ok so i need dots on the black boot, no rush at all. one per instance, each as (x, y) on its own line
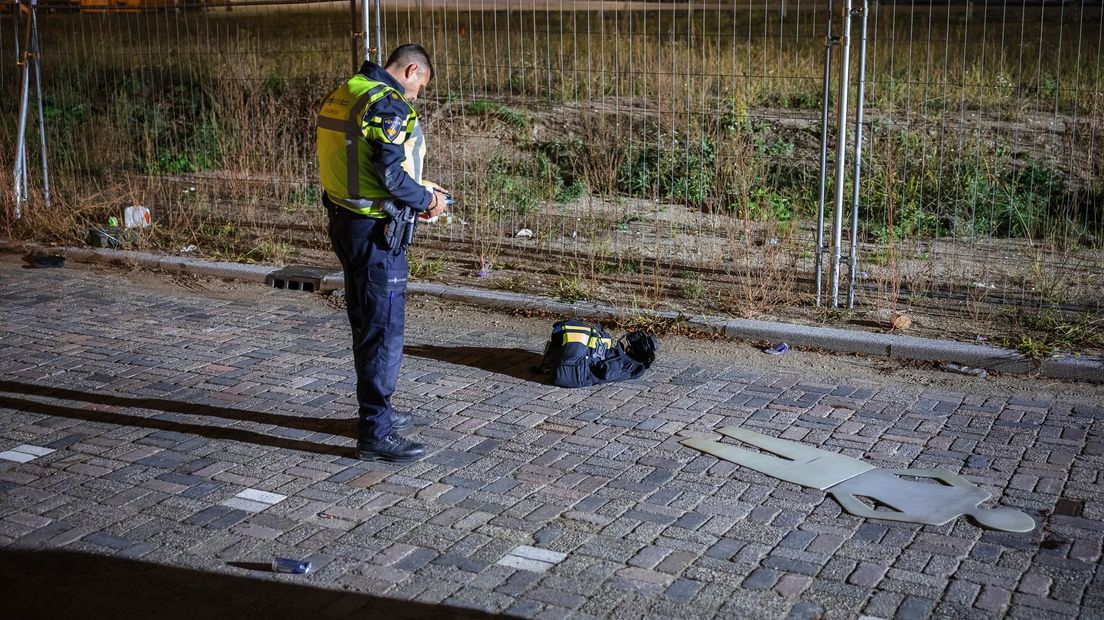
(393, 448)
(401, 421)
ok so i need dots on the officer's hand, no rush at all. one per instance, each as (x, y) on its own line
(437, 205)
(433, 187)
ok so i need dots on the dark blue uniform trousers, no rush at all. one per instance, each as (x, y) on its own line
(375, 297)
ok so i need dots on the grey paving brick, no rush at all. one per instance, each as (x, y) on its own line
(986, 552)
(872, 532)
(556, 598)
(181, 479)
(416, 559)
(165, 459)
(524, 608)
(463, 563)
(107, 540)
(962, 592)
(682, 590)
(761, 579)
(883, 604)
(798, 539)
(805, 611)
(914, 607)
(725, 548)
(993, 599)
(201, 489)
(791, 565)
(691, 520)
(226, 520)
(207, 515)
(136, 551)
(762, 514)
(1046, 604)
(518, 583)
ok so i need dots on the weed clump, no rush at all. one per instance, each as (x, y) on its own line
(670, 168)
(511, 117)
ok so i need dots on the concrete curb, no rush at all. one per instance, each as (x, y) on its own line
(991, 357)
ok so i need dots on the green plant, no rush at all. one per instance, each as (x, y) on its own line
(512, 187)
(200, 149)
(515, 283)
(269, 251)
(558, 162)
(306, 195)
(568, 193)
(572, 289)
(424, 267)
(680, 170)
(219, 231)
(1031, 347)
(779, 148)
(509, 116)
(517, 184)
(734, 117)
(1084, 332)
(693, 289)
(768, 205)
(274, 84)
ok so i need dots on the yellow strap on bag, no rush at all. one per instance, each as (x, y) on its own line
(579, 337)
(586, 336)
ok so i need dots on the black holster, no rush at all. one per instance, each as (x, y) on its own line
(399, 233)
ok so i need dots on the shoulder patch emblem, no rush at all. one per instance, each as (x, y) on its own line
(392, 125)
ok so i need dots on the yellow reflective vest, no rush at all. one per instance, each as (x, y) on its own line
(348, 139)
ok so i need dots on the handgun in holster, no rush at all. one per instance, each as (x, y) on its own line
(399, 233)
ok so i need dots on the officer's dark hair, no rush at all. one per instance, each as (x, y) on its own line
(410, 54)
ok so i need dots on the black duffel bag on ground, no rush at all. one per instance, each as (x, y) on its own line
(579, 354)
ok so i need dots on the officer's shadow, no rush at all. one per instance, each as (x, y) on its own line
(307, 436)
(518, 363)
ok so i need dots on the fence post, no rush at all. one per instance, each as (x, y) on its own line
(27, 59)
(367, 23)
(841, 151)
(829, 41)
(853, 258)
(368, 47)
(354, 34)
(379, 36)
(36, 51)
(21, 132)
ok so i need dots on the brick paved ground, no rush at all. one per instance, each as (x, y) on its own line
(168, 444)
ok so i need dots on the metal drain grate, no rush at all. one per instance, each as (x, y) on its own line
(298, 278)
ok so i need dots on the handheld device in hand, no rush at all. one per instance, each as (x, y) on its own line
(425, 218)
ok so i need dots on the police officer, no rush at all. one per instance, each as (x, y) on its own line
(370, 150)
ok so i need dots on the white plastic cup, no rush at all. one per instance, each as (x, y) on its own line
(136, 217)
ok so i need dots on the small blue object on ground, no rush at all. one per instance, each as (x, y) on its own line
(777, 349)
(287, 565)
